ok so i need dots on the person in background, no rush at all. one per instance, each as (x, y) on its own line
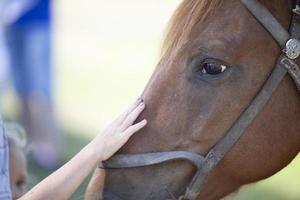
(17, 159)
(28, 34)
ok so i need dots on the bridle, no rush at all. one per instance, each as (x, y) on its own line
(286, 63)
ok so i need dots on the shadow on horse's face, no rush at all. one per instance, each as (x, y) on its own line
(210, 72)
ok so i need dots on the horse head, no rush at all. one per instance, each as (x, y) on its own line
(215, 59)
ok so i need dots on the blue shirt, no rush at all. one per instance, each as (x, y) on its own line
(40, 12)
(4, 173)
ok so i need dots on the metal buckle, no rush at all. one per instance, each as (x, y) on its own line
(288, 64)
(292, 48)
(293, 69)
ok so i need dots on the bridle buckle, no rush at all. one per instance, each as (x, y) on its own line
(292, 48)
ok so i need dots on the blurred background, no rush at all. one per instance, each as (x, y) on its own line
(102, 53)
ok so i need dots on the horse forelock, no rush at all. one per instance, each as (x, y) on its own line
(185, 18)
(189, 14)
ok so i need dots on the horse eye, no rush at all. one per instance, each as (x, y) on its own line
(213, 68)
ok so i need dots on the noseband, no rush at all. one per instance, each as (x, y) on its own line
(286, 63)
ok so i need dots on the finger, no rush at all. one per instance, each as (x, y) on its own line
(123, 116)
(135, 128)
(132, 116)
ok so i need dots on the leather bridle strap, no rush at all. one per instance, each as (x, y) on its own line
(268, 21)
(147, 159)
(289, 45)
(284, 64)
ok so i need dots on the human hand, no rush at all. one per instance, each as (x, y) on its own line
(119, 131)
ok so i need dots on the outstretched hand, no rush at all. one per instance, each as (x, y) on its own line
(110, 141)
(119, 131)
(66, 179)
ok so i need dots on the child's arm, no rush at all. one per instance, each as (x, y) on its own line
(62, 183)
(94, 189)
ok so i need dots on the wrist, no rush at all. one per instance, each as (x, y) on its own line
(96, 151)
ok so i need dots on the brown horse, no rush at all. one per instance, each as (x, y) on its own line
(192, 102)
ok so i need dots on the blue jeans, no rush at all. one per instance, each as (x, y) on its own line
(30, 52)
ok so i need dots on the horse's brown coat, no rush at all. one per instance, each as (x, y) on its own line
(191, 114)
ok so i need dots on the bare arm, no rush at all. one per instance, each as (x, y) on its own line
(62, 183)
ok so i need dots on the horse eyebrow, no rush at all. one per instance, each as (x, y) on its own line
(220, 55)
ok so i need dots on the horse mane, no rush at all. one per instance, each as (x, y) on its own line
(187, 16)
